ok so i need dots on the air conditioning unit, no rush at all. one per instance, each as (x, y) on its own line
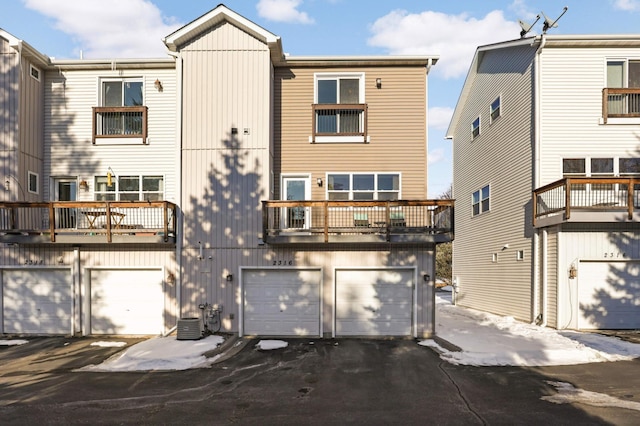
(189, 329)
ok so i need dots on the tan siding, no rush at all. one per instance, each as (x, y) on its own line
(69, 99)
(502, 152)
(31, 130)
(396, 126)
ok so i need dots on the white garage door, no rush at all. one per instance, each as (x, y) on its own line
(37, 301)
(376, 302)
(609, 295)
(126, 301)
(282, 302)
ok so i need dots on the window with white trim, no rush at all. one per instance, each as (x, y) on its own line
(480, 201)
(339, 106)
(363, 186)
(475, 128)
(34, 72)
(33, 182)
(494, 109)
(129, 188)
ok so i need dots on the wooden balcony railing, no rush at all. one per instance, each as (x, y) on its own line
(560, 201)
(401, 221)
(620, 103)
(90, 222)
(120, 122)
(345, 120)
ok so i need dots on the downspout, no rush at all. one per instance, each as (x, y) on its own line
(536, 183)
(178, 156)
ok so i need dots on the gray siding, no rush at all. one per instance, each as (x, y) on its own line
(501, 156)
(552, 278)
(9, 114)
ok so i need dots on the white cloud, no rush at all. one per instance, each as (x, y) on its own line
(628, 5)
(110, 28)
(439, 117)
(453, 37)
(435, 156)
(283, 11)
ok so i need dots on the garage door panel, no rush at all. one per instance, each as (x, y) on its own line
(127, 302)
(374, 302)
(609, 295)
(281, 302)
(37, 301)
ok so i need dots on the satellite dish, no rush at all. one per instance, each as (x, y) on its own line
(526, 27)
(547, 22)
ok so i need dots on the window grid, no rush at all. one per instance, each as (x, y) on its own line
(363, 186)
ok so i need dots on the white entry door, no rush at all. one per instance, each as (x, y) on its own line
(295, 188)
(65, 190)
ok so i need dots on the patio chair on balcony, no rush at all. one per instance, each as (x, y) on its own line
(361, 220)
(397, 219)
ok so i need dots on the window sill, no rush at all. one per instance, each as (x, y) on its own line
(340, 139)
(120, 141)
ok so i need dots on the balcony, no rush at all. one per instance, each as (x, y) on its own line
(119, 125)
(620, 103)
(357, 222)
(584, 200)
(339, 123)
(94, 222)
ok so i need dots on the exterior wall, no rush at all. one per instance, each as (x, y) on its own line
(30, 150)
(61, 256)
(603, 243)
(396, 126)
(502, 152)
(205, 279)
(571, 109)
(69, 98)
(226, 85)
(551, 314)
(9, 115)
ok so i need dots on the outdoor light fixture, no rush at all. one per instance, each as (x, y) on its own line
(573, 271)
(319, 180)
(379, 83)
(229, 277)
(426, 277)
(158, 85)
(84, 185)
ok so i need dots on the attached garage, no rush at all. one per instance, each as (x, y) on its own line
(37, 301)
(125, 301)
(281, 302)
(609, 295)
(374, 302)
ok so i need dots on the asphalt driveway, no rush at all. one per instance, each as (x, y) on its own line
(343, 381)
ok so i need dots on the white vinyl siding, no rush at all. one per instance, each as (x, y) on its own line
(68, 130)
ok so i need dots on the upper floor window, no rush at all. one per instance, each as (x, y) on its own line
(621, 99)
(119, 93)
(494, 109)
(363, 186)
(480, 201)
(33, 186)
(339, 108)
(129, 188)
(475, 128)
(35, 72)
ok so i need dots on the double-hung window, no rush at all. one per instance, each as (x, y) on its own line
(339, 108)
(494, 109)
(129, 188)
(121, 112)
(475, 128)
(480, 201)
(363, 186)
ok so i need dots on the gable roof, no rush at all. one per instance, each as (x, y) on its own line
(219, 14)
(25, 49)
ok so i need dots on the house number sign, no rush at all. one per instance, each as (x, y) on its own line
(33, 262)
(611, 255)
(282, 262)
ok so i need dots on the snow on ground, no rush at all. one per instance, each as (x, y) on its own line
(491, 340)
(161, 353)
(484, 340)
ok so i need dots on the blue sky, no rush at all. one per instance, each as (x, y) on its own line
(450, 29)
